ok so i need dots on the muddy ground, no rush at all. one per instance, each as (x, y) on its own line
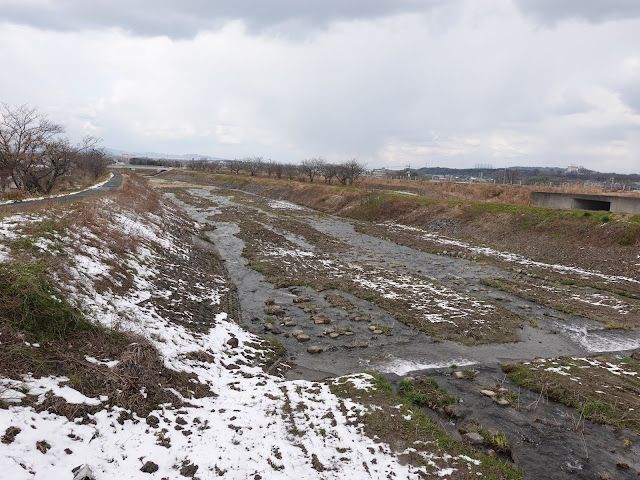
(343, 297)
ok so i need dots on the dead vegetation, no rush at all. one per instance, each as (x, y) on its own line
(43, 334)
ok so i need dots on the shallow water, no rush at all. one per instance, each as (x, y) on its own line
(405, 349)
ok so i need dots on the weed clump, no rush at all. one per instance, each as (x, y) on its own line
(29, 303)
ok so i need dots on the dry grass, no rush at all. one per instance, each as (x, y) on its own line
(33, 307)
(478, 192)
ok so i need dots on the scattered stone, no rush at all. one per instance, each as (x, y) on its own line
(68, 451)
(153, 421)
(322, 320)
(635, 355)
(233, 342)
(188, 469)
(303, 338)
(315, 349)
(488, 393)
(334, 335)
(377, 332)
(492, 453)
(269, 301)
(302, 299)
(181, 421)
(276, 310)
(10, 435)
(272, 328)
(503, 402)
(348, 333)
(503, 390)
(474, 438)
(372, 327)
(83, 472)
(149, 467)
(623, 465)
(297, 332)
(458, 374)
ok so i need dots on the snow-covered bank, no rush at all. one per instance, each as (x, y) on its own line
(250, 425)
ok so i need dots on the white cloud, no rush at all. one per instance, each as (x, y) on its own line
(455, 84)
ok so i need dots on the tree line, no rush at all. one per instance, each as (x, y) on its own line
(308, 170)
(36, 156)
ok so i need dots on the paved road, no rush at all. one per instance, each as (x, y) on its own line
(111, 186)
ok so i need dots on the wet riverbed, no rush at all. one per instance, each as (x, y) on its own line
(402, 349)
(545, 438)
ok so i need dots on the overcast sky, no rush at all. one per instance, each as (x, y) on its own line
(405, 82)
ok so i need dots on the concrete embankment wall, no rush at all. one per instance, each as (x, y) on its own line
(569, 201)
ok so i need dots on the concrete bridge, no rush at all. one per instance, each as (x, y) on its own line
(609, 203)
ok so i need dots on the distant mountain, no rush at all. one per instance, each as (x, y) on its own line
(155, 155)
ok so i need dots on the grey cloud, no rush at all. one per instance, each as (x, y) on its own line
(184, 20)
(571, 103)
(550, 12)
(631, 96)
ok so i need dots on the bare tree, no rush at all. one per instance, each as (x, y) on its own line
(254, 165)
(278, 169)
(25, 151)
(290, 171)
(270, 167)
(312, 167)
(349, 171)
(235, 166)
(92, 160)
(329, 171)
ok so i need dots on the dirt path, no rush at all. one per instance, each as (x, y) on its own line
(362, 302)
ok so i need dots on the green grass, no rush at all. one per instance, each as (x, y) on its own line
(28, 302)
(424, 392)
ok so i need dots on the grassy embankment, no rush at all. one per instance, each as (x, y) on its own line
(45, 334)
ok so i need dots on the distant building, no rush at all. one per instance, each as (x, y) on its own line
(380, 173)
